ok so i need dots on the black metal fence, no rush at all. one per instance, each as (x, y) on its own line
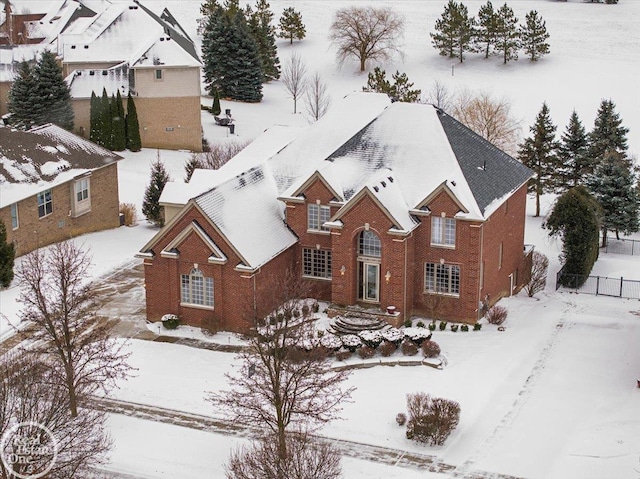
(598, 285)
(622, 246)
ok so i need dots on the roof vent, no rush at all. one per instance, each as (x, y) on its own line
(390, 179)
(86, 47)
(91, 73)
(105, 72)
(73, 47)
(162, 39)
(384, 185)
(376, 189)
(453, 183)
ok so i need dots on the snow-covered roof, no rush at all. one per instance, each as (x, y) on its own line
(59, 17)
(11, 57)
(44, 157)
(84, 82)
(129, 32)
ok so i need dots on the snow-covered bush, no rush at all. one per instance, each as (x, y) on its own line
(387, 348)
(497, 315)
(371, 338)
(393, 335)
(454, 327)
(430, 349)
(343, 355)
(431, 420)
(417, 335)
(432, 326)
(477, 326)
(401, 418)
(170, 321)
(409, 348)
(464, 327)
(443, 325)
(351, 342)
(331, 341)
(366, 352)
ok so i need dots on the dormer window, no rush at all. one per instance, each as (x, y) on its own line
(317, 215)
(443, 232)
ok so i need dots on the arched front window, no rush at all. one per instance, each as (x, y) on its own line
(197, 289)
(370, 244)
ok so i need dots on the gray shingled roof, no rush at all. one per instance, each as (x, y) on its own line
(489, 171)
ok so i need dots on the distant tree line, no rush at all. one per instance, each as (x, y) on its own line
(110, 126)
(494, 32)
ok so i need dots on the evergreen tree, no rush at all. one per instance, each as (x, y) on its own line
(291, 25)
(534, 36)
(233, 65)
(454, 31)
(608, 134)
(215, 108)
(576, 219)
(119, 130)
(106, 121)
(53, 92)
(95, 131)
(25, 107)
(507, 35)
(573, 153)
(485, 33)
(7, 255)
(613, 185)
(132, 127)
(264, 34)
(151, 208)
(400, 90)
(190, 165)
(539, 152)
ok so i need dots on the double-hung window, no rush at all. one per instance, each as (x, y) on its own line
(196, 289)
(45, 203)
(443, 231)
(81, 196)
(442, 278)
(317, 215)
(316, 263)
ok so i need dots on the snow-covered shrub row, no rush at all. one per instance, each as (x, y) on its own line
(417, 335)
(331, 341)
(393, 335)
(351, 342)
(371, 338)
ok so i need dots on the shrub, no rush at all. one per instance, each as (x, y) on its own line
(407, 323)
(497, 315)
(465, 327)
(420, 324)
(477, 326)
(170, 321)
(454, 327)
(409, 348)
(387, 348)
(130, 213)
(443, 325)
(401, 418)
(371, 338)
(331, 341)
(538, 279)
(366, 352)
(351, 342)
(305, 310)
(417, 335)
(393, 335)
(315, 307)
(343, 355)
(432, 326)
(431, 420)
(430, 349)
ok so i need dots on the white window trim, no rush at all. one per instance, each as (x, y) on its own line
(319, 209)
(81, 207)
(450, 265)
(443, 229)
(204, 278)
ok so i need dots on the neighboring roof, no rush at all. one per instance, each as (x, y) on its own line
(63, 14)
(130, 32)
(46, 156)
(83, 82)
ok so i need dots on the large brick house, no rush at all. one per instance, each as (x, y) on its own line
(377, 204)
(54, 185)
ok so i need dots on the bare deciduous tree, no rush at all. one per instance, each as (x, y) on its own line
(217, 156)
(366, 33)
(306, 459)
(538, 279)
(440, 96)
(31, 399)
(279, 386)
(490, 118)
(60, 303)
(294, 79)
(316, 100)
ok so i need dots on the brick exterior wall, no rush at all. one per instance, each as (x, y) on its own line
(34, 232)
(403, 257)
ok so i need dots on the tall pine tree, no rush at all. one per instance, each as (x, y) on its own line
(95, 131)
(25, 107)
(608, 134)
(106, 121)
(53, 92)
(485, 33)
(613, 185)
(454, 31)
(539, 152)
(507, 35)
(534, 36)
(133, 127)
(119, 130)
(573, 153)
(7, 256)
(264, 34)
(151, 208)
(291, 25)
